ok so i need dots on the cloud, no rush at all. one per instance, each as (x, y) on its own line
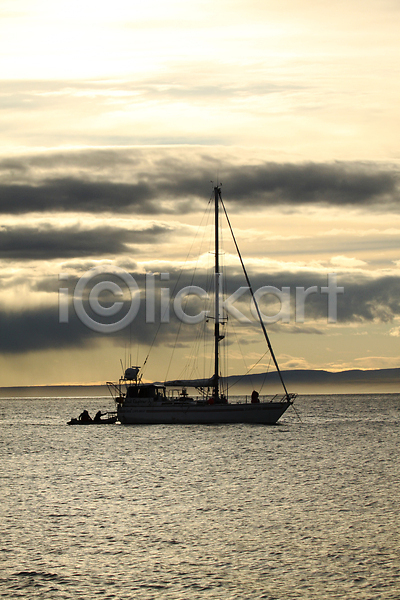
(344, 262)
(365, 300)
(39, 329)
(338, 184)
(49, 242)
(370, 299)
(165, 182)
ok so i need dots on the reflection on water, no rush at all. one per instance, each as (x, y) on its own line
(301, 510)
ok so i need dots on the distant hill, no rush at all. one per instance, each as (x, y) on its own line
(301, 381)
(309, 381)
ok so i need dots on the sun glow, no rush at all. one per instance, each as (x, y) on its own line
(84, 39)
(48, 40)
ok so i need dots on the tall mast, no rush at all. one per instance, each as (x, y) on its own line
(217, 192)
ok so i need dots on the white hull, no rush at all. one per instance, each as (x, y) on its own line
(266, 413)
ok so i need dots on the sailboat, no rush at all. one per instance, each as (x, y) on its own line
(149, 403)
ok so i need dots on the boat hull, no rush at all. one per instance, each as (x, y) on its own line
(108, 421)
(264, 413)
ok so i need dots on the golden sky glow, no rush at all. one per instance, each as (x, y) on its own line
(297, 100)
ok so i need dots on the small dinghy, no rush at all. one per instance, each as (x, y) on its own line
(86, 419)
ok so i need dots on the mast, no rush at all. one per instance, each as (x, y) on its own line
(217, 192)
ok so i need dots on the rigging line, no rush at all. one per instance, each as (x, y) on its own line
(224, 331)
(205, 218)
(137, 352)
(249, 370)
(180, 322)
(237, 342)
(198, 348)
(297, 414)
(190, 368)
(266, 375)
(254, 299)
(173, 294)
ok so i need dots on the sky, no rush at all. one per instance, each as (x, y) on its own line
(116, 117)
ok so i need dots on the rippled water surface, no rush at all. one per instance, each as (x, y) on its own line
(302, 510)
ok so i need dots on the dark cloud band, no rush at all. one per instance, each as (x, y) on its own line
(46, 243)
(168, 184)
(365, 300)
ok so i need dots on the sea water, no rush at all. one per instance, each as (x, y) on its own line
(306, 509)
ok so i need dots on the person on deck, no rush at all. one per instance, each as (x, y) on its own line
(254, 397)
(98, 416)
(85, 416)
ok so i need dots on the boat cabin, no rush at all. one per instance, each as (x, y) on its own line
(157, 392)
